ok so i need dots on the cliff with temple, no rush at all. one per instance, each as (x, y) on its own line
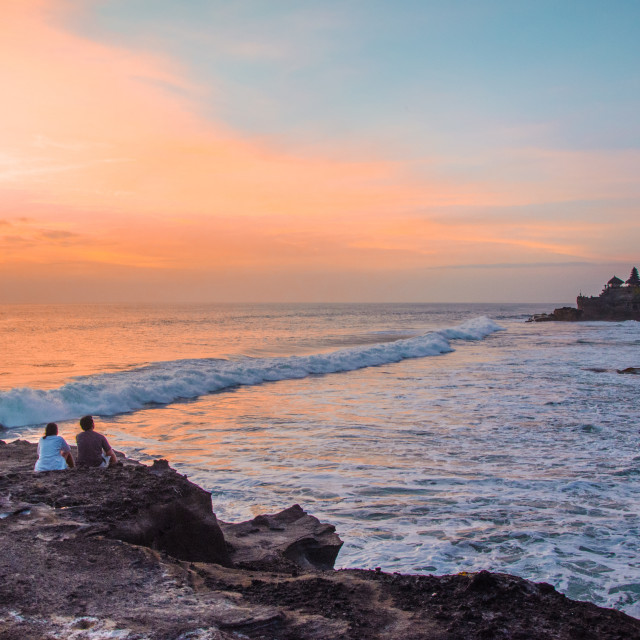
(618, 301)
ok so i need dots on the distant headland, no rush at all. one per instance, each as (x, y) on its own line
(619, 300)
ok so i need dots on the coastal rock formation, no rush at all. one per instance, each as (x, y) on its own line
(631, 370)
(564, 314)
(154, 507)
(91, 554)
(618, 301)
(286, 540)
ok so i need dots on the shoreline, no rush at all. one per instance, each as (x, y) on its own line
(137, 552)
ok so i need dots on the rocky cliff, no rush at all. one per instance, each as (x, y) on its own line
(137, 553)
(618, 301)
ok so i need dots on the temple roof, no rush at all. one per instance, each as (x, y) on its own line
(633, 278)
(615, 281)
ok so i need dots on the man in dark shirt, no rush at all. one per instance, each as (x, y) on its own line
(91, 446)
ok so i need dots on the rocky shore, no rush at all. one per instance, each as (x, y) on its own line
(136, 552)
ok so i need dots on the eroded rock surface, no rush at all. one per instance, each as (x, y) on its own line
(289, 539)
(85, 555)
(151, 506)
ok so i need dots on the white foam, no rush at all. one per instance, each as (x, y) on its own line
(165, 382)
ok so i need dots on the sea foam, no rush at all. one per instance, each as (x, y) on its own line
(165, 382)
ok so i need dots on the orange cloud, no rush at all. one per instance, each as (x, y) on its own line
(108, 153)
(96, 129)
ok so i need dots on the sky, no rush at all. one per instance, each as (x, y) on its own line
(317, 151)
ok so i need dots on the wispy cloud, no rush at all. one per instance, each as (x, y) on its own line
(60, 235)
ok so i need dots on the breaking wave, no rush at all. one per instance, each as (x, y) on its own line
(109, 394)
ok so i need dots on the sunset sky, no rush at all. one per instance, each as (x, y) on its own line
(307, 150)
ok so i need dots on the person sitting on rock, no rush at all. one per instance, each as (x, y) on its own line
(93, 448)
(54, 454)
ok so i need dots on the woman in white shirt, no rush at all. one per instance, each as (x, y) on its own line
(54, 454)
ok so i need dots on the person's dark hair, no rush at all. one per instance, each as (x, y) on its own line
(51, 429)
(86, 422)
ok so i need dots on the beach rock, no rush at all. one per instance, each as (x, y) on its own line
(632, 370)
(562, 314)
(157, 508)
(79, 558)
(568, 314)
(289, 539)
(541, 317)
(183, 528)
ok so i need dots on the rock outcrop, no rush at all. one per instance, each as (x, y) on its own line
(564, 314)
(150, 506)
(287, 540)
(630, 370)
(136, 553)
(156, 507)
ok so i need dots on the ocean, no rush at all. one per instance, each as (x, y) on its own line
(436, 438)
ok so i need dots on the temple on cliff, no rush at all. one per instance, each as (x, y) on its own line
(618, 301)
